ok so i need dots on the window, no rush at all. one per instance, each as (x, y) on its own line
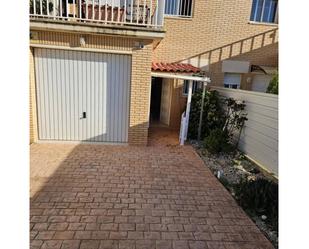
(181, 8)
(264, 11)
(196, 85)
(232, 80)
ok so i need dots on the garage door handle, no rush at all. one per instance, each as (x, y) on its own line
(84, 114)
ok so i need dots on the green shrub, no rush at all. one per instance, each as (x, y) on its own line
(259, 197)
(212, 115)
(217, 141)
(273, 86)
(223, 119)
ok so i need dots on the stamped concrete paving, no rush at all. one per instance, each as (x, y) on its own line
(95, 196)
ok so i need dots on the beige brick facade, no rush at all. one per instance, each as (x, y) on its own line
(140, 83)
(73, 40)
(219, 30)
(216, 25)
(32, 110)
(140, 93)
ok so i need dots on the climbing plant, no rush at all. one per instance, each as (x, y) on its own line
(273, 86)
(222, 123)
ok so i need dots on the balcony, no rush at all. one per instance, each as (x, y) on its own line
(125, 14)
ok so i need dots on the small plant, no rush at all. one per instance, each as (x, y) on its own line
(235, 118)
(222, 123)
(217, 141)
(225, 137)
(259, 197)
(273, 86)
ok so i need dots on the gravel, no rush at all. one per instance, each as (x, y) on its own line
(234, 168)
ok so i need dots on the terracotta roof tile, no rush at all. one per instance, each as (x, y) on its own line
(174, 67)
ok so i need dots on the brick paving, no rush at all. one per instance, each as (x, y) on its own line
(155, 197)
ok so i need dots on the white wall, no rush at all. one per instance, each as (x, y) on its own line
(259, 139)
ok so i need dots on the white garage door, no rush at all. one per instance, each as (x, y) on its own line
(82, 96)
(260, 82)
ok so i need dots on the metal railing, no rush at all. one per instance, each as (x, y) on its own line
(179, 8)
(145, 13)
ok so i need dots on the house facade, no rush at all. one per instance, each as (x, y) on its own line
(102, 70)
(230, 40)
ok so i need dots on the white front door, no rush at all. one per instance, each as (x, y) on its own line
(82, 96)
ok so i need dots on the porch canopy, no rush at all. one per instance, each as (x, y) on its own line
(185, 72)
(264, 69)
(177, 71)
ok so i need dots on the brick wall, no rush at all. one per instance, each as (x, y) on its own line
(32, 101)
(140, 94)
(267, 56)
(140, 83)
(219, 30)
(92, 41)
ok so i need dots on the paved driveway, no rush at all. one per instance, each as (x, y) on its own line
(95, 196)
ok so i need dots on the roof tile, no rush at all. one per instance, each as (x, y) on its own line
(174, 67)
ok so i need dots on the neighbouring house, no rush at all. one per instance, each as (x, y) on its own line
(105, 70)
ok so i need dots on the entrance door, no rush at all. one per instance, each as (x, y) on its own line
(82, 96)
(155, 102)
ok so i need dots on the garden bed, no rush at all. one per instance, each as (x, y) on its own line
(240, 177)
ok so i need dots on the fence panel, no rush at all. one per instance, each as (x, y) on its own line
(259, 139)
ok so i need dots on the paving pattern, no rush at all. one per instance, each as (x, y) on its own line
(161, 196)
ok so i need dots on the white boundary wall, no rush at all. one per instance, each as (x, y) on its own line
(259, 139)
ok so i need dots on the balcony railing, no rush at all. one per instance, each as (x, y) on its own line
(142, 13)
